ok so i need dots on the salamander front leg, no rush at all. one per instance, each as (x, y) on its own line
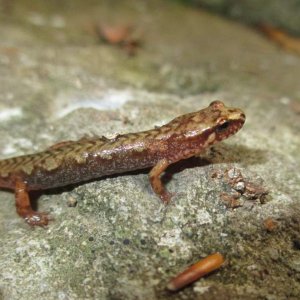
(156, 183)
(24, 208)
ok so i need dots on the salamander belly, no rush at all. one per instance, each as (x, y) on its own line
(70, 171)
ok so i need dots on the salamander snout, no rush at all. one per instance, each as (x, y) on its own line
(242, 116)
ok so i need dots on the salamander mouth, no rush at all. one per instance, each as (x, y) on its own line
(236, 125)
(230, 129)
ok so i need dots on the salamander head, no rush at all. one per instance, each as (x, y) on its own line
(225, 121)
(211, 124)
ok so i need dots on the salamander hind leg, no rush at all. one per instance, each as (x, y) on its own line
(24, 208)
(155, 180)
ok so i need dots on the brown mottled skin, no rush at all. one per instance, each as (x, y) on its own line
(76, 161)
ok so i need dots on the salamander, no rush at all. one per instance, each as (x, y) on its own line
(71, 162)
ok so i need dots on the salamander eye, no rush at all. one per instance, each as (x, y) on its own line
(222, 127)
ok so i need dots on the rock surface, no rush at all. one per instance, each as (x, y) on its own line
(283, 14)
(59, 82)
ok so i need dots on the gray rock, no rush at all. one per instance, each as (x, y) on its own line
(58, 82)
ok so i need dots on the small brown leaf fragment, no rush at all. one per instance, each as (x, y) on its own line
(283, 39)
(241, 189)
(114, 34)
(270, 224)
(254, 191)
(196, 271)
(119, 35)
(231, 200)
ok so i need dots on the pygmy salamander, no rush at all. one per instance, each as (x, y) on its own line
(75, 161)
